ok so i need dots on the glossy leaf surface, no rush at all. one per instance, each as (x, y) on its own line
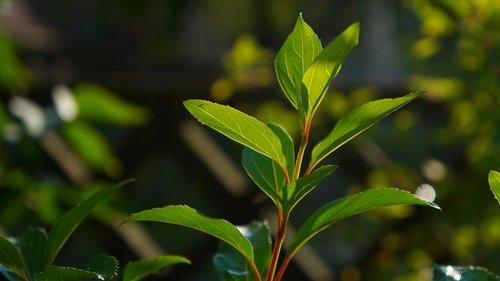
(239, 127)
(189, 217)
(299, 50)
(65, 226)
(137, 270)
(11, 258)
(355, 122)
(287, 145)
(453, 273)
(349, 206)
(319, 75)
(231, 265)
(494, 181)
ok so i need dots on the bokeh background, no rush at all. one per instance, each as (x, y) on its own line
(91, 93)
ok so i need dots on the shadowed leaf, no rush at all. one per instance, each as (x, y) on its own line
(137, 270)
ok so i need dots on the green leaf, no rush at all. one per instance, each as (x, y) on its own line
(299, 50)
(349, 206)
(65, 226)
(189, 217)
(470, 273)
(57, 273)
(33, 245)
(97, 103)
(104, 265)
(301, 187)
(287, 145)
(355, 122)
(11, 258)
(137, 270)
(494, 181)
(231, 265)
(239, 127)
(318, 77)
(265, 173)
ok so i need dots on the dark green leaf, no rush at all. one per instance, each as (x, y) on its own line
(65, 226)
(355, 122)
(239, 127)
(57, 273)
(104, 265)
(319, 75)
(137, 270)
(11, 258)
(231, 265)
(33, 245)
(300, 188)
(189, 217)
(287, 145)
(470, 273)
(265, 173)
(350, 206)
(299, 50)
(494, 181)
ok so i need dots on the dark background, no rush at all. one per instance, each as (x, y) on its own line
(130, 64)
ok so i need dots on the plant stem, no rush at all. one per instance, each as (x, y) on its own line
(283, 268)
(278, 244)
(302, 149)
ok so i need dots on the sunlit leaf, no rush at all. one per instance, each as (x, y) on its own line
(97, 103)
(299, 50)
(104, 265)
(239, 127)
(494, 181)
(137, 270)
(189, 217)
(319, 75)
(301, 187)
(11, 258)
(470, 273)
(355, 122)
(231, 265)
(65, 226)
(286, 145)
(349, 206)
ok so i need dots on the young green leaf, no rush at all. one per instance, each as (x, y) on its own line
(11, 258)
(65, 226)
(104, 265)
(319, 75)
(137, 270)
(354, 123)
(231, 265)
(470, 273)
(239, 127)
(299, 50)
(301, 187)
(494, 181)
(189, 217)
(350, 206)
(57, 273)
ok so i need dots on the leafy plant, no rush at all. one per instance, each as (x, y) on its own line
(304, 71)
(31, 257)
